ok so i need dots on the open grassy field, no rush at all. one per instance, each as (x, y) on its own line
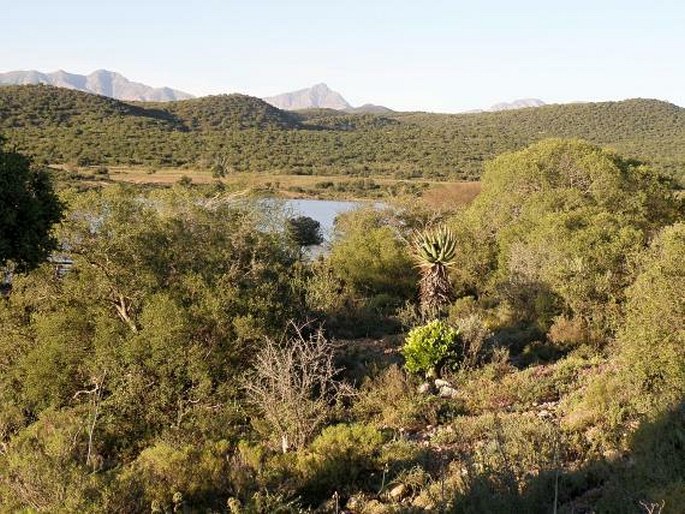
(437, 193)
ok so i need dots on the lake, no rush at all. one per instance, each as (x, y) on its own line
(323, 211)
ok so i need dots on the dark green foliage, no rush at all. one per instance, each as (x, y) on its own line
(226, 112)
(29, 208)
(60, 126)
(305, 231)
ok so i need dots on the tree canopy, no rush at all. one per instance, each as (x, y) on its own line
(29, 208)
(556, 227)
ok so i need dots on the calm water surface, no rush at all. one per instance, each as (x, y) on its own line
(323, 211)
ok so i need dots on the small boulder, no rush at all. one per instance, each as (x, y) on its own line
(398, 492)
(448, 392)
(439, 382)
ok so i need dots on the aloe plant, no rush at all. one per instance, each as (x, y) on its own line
(434, 252)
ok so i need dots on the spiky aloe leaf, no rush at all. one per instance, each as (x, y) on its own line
(434, 252)
(435, 246)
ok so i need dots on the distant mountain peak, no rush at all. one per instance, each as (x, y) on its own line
(100, 82)
(521, 103)
(319, 96)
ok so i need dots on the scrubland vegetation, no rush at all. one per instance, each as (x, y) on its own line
(522, 353)
(227, 134)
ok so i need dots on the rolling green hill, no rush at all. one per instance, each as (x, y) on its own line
(246, 134)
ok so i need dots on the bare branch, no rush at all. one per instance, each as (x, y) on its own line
(293, 386)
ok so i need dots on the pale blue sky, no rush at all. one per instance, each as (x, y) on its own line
(433, 55)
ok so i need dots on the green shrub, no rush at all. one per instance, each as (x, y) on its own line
(305, 231)
(428, 347)
(185, 181)
(165, 474)
(44, 466)
(370, 256)
(342, 457)
(389, 400)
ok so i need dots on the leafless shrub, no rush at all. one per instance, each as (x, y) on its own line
(474, 335)
(293, 386)
(653, 508)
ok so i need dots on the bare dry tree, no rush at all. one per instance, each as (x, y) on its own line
(293, 386)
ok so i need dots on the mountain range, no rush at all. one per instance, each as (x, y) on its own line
(115, 85)
(100, 82)
(517, 104)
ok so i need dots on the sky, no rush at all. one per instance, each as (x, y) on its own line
(429, 55)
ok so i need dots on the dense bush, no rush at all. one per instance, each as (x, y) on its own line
(341, 457)
(29, 208)
(652, 341)
(305, 231)
(136, 344)
(155, 368)
(429, 347)
(555, 231)
(370, 256)
(228, 133)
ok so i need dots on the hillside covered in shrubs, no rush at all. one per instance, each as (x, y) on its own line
(523, 353)
(233, 133)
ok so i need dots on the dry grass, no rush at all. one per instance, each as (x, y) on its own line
(447, 196)
(439, 195)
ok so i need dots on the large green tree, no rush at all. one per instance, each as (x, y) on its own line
(29, 208)
(556, 228)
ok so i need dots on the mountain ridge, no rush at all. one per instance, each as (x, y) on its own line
(319, 96)
(521, 103)
(101, 82)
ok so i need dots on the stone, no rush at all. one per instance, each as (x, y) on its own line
(448, 392)
(439, 382)
(426, 388)
(354, 503)
(398, 492)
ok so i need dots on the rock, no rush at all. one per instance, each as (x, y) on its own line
(354, 503)
(439, 382)
(448, 392)
(398, 492)
(426, 388)
(544, 414)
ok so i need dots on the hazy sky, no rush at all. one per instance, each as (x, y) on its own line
(430, 55)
